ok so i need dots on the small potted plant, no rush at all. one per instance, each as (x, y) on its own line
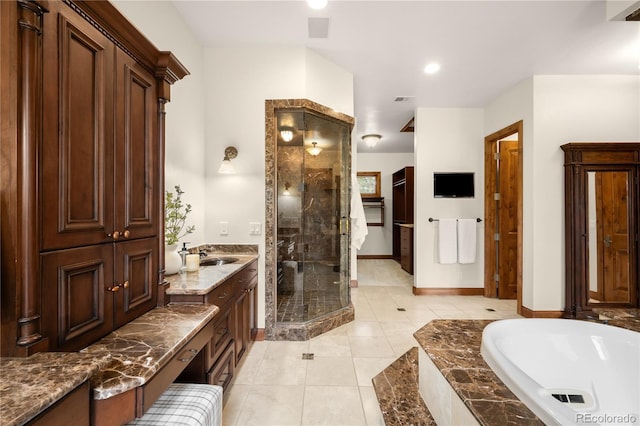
(175, 217)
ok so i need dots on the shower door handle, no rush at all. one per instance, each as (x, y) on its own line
(344, 225)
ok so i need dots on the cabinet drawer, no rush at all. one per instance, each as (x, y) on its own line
(221, 294)
(222, 336)
(222, 372)
(247, 277)
(149, 393)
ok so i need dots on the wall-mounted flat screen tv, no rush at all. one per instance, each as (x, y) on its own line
(453, 185)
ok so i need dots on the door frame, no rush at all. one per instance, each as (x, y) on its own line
(490, 211)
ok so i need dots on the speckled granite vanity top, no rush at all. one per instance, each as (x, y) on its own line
(454, 347)
(140, 348)
(30, 385)
(207, 277)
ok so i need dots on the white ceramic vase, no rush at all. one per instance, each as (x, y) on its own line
(172, 259)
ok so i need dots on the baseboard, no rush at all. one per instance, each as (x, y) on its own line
(443, 291)
(528, 313)
(259, 335)
(353, 284)
(375, 256)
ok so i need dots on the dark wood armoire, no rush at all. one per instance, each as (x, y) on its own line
(83, 95)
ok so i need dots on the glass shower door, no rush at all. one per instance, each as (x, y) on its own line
(313, 211)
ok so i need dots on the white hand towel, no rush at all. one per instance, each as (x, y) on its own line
(359, 228)
(447, 242)
(467, 240)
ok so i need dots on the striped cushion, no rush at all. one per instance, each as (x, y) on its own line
(185, 404)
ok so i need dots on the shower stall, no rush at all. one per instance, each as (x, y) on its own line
(308, 200)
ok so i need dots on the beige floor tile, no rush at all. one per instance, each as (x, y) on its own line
(364, 328)
(333, 371)
(330, 345)
(234, 398)
(370, 347)
(247, 371)
(282, 349)
(367, 368)
(401, 343)
(371, 408)
(283, 371)
(332, 405)
(258, 348)
(272, 406)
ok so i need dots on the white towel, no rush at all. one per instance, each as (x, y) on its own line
(467, 240)
(359, 228)
(447, 242)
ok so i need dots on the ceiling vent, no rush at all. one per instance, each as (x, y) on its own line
(403, 98)
(318, 27)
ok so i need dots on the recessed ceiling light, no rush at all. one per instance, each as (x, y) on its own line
(432, 68)
(317, 4)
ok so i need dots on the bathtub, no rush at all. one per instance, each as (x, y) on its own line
(568, 372)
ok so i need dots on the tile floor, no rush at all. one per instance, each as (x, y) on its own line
(275, 386)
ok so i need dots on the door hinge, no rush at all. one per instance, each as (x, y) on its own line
(496, 196)
(496, 236)
(496, 277)
(496, 155)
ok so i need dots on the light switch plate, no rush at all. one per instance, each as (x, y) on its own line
(255, 228)
(224, 228)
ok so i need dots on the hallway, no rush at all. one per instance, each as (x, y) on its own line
(275, 386)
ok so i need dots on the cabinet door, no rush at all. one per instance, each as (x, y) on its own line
(77, 149)
(222, 334)
(136, 168)
(77, 304)
(242, 313)
(136, 268)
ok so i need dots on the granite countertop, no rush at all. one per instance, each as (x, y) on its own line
(207, 277)
(141, 347)
(454, 347)
(30, 385)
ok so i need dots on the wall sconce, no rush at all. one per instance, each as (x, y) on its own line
(286, 134)
(286, 192)
(226, 167)
(314, 150)
(371, 139)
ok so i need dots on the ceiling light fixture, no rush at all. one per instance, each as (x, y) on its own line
(226, 167)
(371, 139)
(317, 4)
(286, 192)
(314, 150)
(432, 68)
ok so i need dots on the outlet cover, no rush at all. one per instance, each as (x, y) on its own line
(255, 228)
(224, 228)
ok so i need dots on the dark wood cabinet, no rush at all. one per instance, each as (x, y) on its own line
(602, 225)
(82, 127)
(406, 248)
(233, 327)
(402, 181)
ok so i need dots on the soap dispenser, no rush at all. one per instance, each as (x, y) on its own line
(183, 255)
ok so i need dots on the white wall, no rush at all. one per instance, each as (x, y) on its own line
(379, 241)
(447, 140)
(570, 109)
(239, 80)
(184, 130)
(558, 110)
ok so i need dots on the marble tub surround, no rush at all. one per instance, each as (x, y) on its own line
(454, 348)
(396, 388)
(140, 348)
(30, 385)
(208, 277)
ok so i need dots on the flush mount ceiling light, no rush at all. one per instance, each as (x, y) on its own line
(317, 4)
(371, 139)
(314, 150)
(286, 134)
(432, 68)
(226, 167)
